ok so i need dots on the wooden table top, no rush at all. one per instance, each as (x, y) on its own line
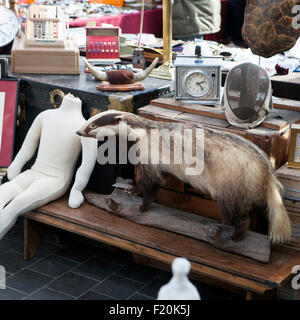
(269, 275)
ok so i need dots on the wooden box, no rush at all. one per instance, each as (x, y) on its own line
(34, 98)
(272, 137)
(290, 179)
(35, 92)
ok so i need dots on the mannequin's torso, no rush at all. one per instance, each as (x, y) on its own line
(59, 145)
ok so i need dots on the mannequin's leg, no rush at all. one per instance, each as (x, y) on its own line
(8, 191)
(13, 188)
(37, 194)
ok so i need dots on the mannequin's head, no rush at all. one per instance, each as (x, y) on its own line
(181, 266)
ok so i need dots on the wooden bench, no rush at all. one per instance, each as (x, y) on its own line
(161, 246)
(157, 247)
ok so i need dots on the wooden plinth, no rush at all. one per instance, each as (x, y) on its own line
(253, 245)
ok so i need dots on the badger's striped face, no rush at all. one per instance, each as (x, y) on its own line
(102, 124)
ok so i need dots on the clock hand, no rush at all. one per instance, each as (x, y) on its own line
(199, 83)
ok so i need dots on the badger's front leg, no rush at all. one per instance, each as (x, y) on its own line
(135, 189)
(149, 195)
(150, 180)
(233, 217)
(241, 227)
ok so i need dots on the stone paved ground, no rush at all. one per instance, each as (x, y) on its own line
(81, 269)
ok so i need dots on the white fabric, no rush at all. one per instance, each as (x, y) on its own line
(50, 176)
(89, 156)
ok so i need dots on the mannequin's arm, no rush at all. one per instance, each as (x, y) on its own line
(28, 148)
(89, 156)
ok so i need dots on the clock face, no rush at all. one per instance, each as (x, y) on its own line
(9, 26)
(197, 84)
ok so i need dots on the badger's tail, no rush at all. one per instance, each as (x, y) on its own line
(279, 222)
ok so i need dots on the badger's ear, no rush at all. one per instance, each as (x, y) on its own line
(108, 119)
(121, 117)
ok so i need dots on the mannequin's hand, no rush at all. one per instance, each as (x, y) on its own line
(75, 199)
(13, 171)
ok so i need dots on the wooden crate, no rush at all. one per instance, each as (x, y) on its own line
(177, 195)
(272, 136)
(290, 179)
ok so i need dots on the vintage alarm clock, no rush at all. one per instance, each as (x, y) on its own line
(198, 79)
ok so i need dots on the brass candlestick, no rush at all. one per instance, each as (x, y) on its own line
(165, 71)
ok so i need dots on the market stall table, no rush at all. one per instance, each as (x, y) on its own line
(35, 92)
(287, 86)
(34, 97)
(128, 22)
(283, 86)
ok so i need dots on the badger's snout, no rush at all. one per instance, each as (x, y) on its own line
(82, 133)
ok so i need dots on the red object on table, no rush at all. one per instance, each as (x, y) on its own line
(8, 110)
(219, 36)
(100, 45)
(128, 22)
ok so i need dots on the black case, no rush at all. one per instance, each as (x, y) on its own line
(34, 98)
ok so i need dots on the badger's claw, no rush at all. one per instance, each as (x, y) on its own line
(112, 205)
(133, 191)
(144, 208)
(138, 209)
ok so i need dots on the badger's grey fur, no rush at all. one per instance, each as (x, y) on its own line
(237, 174)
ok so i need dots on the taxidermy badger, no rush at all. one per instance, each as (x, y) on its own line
(236, 173)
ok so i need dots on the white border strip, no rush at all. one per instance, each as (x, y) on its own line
(2, 100)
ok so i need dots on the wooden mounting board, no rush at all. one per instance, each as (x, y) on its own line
(164, 246)
(106, 86)
(253, 245)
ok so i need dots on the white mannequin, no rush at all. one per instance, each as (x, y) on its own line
(50, 176)
(179, 287)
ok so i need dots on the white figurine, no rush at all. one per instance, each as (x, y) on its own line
(50, 176)
(179, 287)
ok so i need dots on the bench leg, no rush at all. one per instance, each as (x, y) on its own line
(248, 295)
(268, 295)
(34, 232)
(137, 258)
